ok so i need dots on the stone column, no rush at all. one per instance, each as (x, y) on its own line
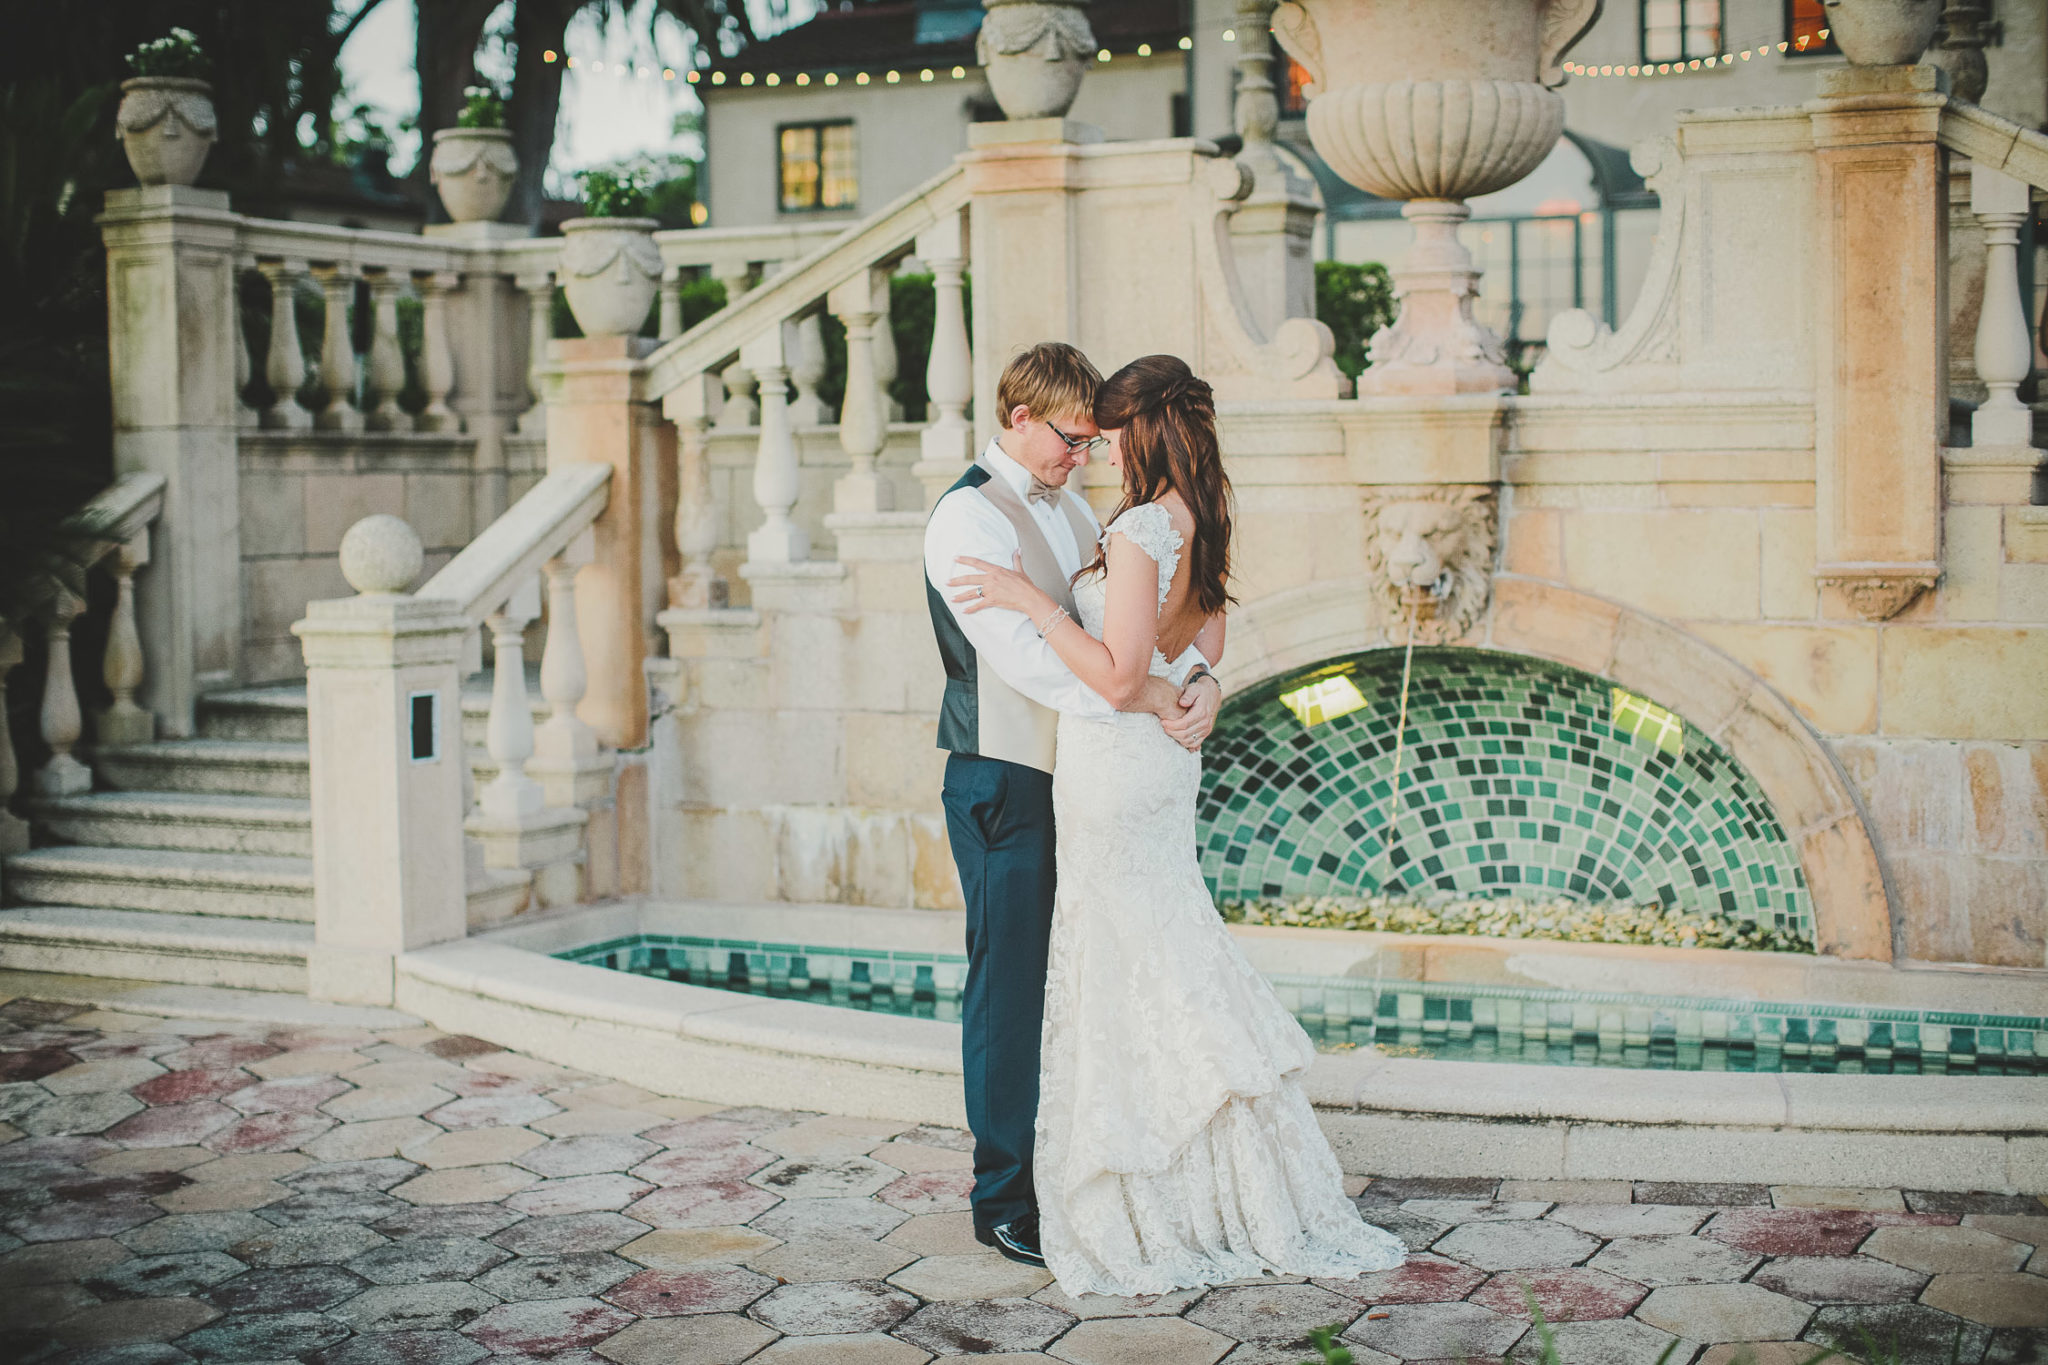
(13, 829)
(778, 474)
(338, 410)
(1273, 230)
(172, 360)
(437, 355)
(384, 379)
(1881, 355)
(285, 366)
(384, 731)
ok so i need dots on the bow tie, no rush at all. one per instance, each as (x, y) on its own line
(1041, 491)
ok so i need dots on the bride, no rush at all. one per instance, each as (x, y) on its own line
(1175, 1146)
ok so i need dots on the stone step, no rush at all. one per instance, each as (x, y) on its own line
(201, 822)
(212, 766)
(189, 950)
(277, 712)
(169, 881)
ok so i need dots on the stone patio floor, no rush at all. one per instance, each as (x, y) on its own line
(179, 1189)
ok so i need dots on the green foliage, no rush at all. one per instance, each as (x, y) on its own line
(175, 54)
(1353, 301)
(481, 108)
(614, 193)
(1511, 917)
(1324, 1339)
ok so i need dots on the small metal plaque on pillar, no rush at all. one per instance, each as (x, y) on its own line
(424, 710)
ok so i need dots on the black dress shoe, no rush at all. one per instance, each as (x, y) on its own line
(1017, 1240)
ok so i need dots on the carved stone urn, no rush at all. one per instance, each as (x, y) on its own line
(166, 126)
(610, 271)
(1035, 52)
(1433, 102)
(1882, 32)
(472, 169)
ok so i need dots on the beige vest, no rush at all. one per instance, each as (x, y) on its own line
(1012, 726)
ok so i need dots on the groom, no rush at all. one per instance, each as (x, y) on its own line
(1005, 688)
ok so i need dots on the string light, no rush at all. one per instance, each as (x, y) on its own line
(746, 78)
(1144, 49)
(831, 78)
(959, 73)
(774, 79)
(718, 78)
(1229, 35)
(1187, 44)
(803, 78)
(861, 79)
(598, 67)
(695, 76)
(925, 75)
(1103, 55)
(1715, 62)
(551, 56)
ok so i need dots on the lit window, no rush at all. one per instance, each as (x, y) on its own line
(1640, 718)
(1325, 699)
(1677, 30)
(1290, 84)
(819, 170)
(1805, 21)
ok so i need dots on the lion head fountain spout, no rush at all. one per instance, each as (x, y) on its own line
(1429, 559)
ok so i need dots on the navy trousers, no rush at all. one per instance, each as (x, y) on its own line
(999, 821)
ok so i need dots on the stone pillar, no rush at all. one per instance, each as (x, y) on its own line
(384, 730)
(1881, 354)
(1273, 230)
(172, 359)
(595, 413)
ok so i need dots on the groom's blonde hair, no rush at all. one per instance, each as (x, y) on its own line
(1052, 379)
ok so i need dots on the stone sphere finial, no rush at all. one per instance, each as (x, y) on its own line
(381, 555)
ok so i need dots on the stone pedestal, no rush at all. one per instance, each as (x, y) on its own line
(172, 359)
(385, 734)
(1881, 354)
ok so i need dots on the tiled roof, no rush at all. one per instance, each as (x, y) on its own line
(885, 33)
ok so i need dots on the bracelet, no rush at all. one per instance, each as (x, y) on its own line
(1052, 621)
(1199, 672)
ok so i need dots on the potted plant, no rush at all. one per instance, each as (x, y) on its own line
(1882, 32)
(166, 123)
(610, 266)
(473, 163)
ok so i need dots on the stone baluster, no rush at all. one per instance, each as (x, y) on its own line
(245, 371)
(740, 411)
(125, 722)
(2004, 352)
(511, 795)
(671, 321)
(948, 439)
(285, 368)
(690, 408)
(887, 364)
(385, 378)
(565, 750)
(63, 723)
(437, 357)
(806, 371)
(337, 352)
(540, 330)
(13, 829)
(777, 476)
(859, 304)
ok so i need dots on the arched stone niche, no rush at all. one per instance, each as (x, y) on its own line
(1806, 789)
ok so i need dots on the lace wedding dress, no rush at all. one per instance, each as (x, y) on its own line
(1175, 1146)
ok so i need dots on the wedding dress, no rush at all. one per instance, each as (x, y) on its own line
(1175, 1146)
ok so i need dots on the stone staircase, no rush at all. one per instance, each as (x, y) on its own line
(192, 863)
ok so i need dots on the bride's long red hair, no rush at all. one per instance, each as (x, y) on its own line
(1168, 420)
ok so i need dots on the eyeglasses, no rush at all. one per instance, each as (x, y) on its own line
(1086, 444)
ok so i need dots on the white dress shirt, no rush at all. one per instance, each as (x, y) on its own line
(966, 523)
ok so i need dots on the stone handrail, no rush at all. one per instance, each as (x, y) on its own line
(1996, 143)
(513, 549)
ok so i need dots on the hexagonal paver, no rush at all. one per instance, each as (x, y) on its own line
(108, 1073)
(1516, 1245)
(359, 1141)
(1711, 1313)
(547, 1327)
(1995, 1300)
(280, 1131)
(1116, 1306)
(1946, 1250)
(223, 1196)
(1971, 1201)
(983, 1327)
(585, 1273)
(183, 1087)
(194, 1232)
(307, 1244)
(712, 1339)
(831, 1135)
(865, 1348)
(1436, 1331)
(1673, 1260)
(1840, 1279)
(447, 1220)
(1277, 1313)
(472, 1147)
(693, 1166)
(59, 1262)
(847, 1177)
(911, 1157)
(1631, 1220)
(263, 1336)
(1140, 1341)
(69, 1114)
(1619, 1341)
(175, 1276)
(719, 1204)
(595, 1118)
(442, 1306)
(1415, 1231)
(1475, 1210)
(1576, 1294)
(673, 1293)
(981, 1275)
(218, 1050)
(1419, 1279)
(1702, 1192)
(287, 1095)
(559, 1236)
(826, 1259)
(579, 1194)
(1908, 1332)
(592, 1154)
(360, 1105)
(464, 1185)
(930, 1192)
(1792, 1232)
(402, 1348)
(330, 1206)
(681, 1248)
(239, 1166)
(835, 1307)
(419, 1259)
(375, 1173)
(76, 1222)
(798, 1220)
(295, 1289)
(491, 1111)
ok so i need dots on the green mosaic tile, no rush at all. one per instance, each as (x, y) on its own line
(1515, 777)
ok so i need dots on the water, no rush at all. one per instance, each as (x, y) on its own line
(1444, 1020)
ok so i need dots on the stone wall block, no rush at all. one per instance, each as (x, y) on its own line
(1687, 563)
(1679, 671)
(808, 666)
(1962, 683)
(1851, 913)
(336, 502)
(934, 881)
(273, 516)
(1533, 544)
(893, 762)
(1571, 628)
(1912, 791)
(1770, 740)
(2006, 787)
(1828, 673)
(1788, 590)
